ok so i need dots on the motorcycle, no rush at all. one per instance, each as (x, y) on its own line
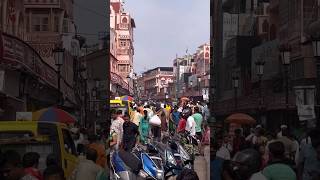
(181, 155)
(170, 165)
(189, 143)
(126, 166)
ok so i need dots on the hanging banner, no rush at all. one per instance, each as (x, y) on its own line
(305, 101)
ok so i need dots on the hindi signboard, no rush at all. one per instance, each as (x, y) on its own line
(24, 116)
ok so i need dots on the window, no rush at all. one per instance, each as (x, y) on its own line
(40, 23)
(124, 20)
(56, 24)
(68, 142)
(273, 32)
(265, 26)
(122, 68)
(65, 26)
(123, 43)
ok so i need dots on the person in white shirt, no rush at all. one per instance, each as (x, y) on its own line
(191, 125)
(222, 151)
(282, 128)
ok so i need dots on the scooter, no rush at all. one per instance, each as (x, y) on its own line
(152, 164)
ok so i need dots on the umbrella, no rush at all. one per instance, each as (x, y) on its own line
(53, 114)
(185, 99)
(240, 118)
(126, 98)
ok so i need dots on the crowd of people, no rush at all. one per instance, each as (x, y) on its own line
(126, 130)
(157, 121)
(263, 155)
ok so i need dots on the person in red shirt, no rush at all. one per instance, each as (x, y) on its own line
(183, 121)
(30, 163)
(182, 125)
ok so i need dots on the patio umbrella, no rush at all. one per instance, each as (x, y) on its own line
(240, 118)
(53, 114)
(126, 98)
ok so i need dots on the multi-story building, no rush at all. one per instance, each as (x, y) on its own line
(123, 24)
(156, 82)
(50, 24)
(202, 60)
(182, 69)
(29, 80)
(276, 24)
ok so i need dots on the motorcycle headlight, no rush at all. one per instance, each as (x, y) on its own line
(159, 174)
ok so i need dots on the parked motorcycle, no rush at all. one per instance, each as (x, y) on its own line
(126, 166)
(170, 165)
(181, 155)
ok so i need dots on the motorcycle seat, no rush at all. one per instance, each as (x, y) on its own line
(131, 161)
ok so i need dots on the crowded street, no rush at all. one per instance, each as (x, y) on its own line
(160, 141)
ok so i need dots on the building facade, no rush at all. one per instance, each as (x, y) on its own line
(202, 73)
(29, 80)
(123, 25)
(276, 24)
(156, 83)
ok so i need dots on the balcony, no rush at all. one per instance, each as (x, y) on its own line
(123, 26)
(123, 52)
(42, 37)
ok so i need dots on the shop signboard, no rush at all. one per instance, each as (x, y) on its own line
(24, 116)
(305, 96)
(17, 54)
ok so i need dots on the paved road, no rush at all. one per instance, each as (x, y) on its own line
(202, 166)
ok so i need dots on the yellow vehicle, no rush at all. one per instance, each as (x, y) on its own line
(42, 137)
(125, 106)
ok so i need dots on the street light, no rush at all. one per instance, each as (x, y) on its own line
(316, 53)
(260, 66)
(58, 54)
(285, 57)
(236, 86)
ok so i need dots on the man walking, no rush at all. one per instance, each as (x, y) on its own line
(130, 134)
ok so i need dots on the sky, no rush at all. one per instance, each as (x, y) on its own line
(90, 17)
(165, 28)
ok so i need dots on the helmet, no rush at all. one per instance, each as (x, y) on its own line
(186, 112)
(245, 163)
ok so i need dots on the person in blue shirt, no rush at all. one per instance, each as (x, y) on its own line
(175, 115)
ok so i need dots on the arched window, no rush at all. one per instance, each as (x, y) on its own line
(273, 32)
(124, 20)
(265, 26)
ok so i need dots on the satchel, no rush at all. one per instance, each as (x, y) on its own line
(155, 120)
